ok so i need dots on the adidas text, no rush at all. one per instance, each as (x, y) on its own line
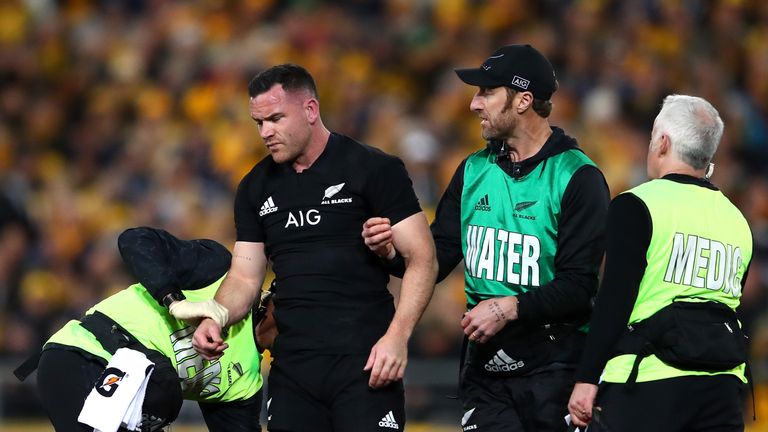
(504, 368)
(501, 362)
(267, 211)
(268, 207)
(388, 421)
(483, 204)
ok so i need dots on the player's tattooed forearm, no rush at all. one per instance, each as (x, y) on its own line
(247, 258)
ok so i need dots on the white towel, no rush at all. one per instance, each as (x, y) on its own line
(118, 395)
(569, 422)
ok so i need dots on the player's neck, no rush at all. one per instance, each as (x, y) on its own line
(679, 167)
(528, 139)
(317, 143)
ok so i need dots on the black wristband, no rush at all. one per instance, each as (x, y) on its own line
(172, 297)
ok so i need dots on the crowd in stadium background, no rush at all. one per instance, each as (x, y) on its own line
(124, 113)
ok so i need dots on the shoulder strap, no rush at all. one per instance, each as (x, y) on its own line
(30, 365)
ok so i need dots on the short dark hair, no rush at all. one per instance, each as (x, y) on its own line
(291, 76)
(541, 107)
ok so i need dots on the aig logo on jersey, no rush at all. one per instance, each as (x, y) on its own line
(302, 218)
(330, 192)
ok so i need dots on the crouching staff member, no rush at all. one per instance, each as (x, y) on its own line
(677, 256)
(168, 269)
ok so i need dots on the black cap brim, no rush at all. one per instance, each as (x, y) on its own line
(478, 77)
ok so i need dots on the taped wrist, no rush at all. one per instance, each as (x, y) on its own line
(212, 309)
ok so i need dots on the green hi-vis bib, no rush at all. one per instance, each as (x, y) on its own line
(509, 226)
(700, 247)
(236, 375)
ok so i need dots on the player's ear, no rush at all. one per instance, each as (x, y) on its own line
(665, 145)
(312, 110)
(524, 102)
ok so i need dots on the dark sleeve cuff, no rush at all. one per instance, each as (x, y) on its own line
(395, 266)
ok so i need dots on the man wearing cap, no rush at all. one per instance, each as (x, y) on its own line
(526, 214)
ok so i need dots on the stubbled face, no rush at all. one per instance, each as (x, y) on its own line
(497, 119)
(283, 122)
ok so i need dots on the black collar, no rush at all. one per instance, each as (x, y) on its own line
(688, 179)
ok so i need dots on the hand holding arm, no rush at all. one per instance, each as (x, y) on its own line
(377, 234)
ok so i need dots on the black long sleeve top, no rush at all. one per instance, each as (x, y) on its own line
(580, 242)
(164, 264)
(629, 230)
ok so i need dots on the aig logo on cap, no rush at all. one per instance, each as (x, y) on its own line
(520, 82)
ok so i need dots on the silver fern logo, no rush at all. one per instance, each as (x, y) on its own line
(332, 190)
(524, 205)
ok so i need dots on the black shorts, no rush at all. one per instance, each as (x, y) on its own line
(533, 403)
(66, 377)
(330, 393)
(691, 403)
(234, 416)
(64, 380)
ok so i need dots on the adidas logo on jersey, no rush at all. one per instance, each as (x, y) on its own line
(268, 207)
(483, 204)
(501, 362)
(388, 421)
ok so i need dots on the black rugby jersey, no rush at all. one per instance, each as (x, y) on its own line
(332, 294)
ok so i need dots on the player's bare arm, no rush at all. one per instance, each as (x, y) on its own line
(236, 295)
(412, 238)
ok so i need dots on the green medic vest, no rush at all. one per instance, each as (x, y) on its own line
(234, 376)
(509, 226)
(700, 247)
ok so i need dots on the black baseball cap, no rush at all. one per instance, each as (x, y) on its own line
(520, 67)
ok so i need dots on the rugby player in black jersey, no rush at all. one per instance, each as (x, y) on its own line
(341, 348)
